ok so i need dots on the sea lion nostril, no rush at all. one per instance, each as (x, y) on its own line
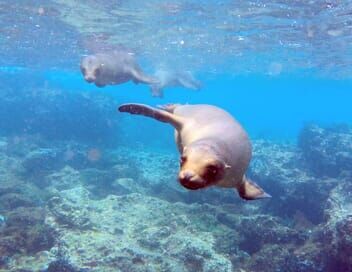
(89, 79)
(186, 176)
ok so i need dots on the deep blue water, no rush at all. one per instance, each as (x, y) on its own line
(273, 107)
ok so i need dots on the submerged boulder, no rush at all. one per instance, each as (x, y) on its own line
(62, 265)
(260, 230)
(42, 160)
(12, 201)
(66, 178)
(327, 151)
(336, 234)
(69, 208)
(25, 231)
(280, 170)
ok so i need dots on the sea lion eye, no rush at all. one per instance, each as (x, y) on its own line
(212, 170)
(183, 160)
(97, 72)
(83, 70)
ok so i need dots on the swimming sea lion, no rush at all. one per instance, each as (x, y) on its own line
(115, 67)
(173, 79)
(214, 148)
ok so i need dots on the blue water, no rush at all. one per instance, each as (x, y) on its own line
(273, 107)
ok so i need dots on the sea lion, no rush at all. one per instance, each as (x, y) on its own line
(173, 79)
(112, 68)
(214, 148)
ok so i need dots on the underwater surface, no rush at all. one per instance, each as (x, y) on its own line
(84, 187)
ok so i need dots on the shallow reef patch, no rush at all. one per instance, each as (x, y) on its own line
(126, 211)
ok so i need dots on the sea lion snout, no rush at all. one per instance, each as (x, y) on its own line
(191, 180)
(90, 68)
(187, 175)
(89, 78)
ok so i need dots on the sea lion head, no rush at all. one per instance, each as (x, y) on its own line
(91, 68)
(200, 167)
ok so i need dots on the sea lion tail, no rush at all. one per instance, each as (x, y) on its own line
(189, 82)
(142, 78)
(249, 190)
(139, 76)
(160, 115)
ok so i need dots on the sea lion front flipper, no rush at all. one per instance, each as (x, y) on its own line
(249, 190)
(140, 77)
(160, 115)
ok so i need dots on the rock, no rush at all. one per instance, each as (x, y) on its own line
(42, 160)
(66, 178)
(12, 201)
(9, 165)
(62, 266)
(25, 231)
(327, 151)
(10, 184)
(103, 182)
(127, 185)
(197, 255)
(97, 177)
(69, 208)
(126, 170)
(135, 233)
(336, 234)
(4, 260)
(278, 169)
(260, 230)
(142, 233)
(277, 258)
(25, 216)
(102, 224)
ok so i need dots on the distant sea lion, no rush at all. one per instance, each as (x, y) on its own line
(214, 148)
(115, 67)
(173, 79)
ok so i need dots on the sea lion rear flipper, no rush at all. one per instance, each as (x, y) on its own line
(140, 77)
(189, 82)
(160, 115)
(249, 190)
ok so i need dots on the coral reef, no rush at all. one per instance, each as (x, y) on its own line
(122, 209)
